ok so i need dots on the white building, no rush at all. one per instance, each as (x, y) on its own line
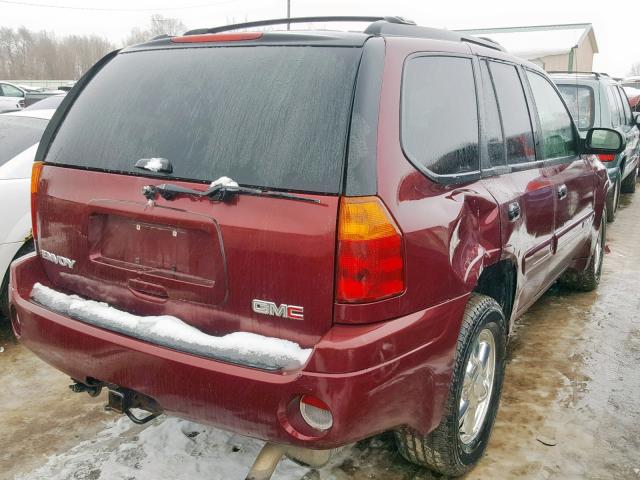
(569, 47)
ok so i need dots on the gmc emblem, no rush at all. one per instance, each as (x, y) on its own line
(265, 307)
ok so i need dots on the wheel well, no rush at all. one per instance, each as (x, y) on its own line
(498, 281)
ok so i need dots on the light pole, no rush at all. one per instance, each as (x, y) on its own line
(288, 13)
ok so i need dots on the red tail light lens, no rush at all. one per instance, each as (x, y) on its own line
(36, 170)
(370, 252)
(606, 157)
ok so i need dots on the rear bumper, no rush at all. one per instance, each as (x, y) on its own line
(402, 376)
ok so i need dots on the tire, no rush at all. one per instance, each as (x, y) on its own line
(4, 288)
(629, 184)
(613, 200)
(589, 279)
(450, 449)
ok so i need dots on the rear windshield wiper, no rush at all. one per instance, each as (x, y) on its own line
(216, 192)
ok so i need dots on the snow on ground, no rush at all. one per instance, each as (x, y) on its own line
(170, 448)
(239, 347)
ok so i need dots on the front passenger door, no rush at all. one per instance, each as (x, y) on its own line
(571, 176)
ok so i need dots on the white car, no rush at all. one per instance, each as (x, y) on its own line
(20, 134)
(12, 97)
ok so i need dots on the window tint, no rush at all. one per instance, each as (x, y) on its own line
(493, 127)
(440, 114)
(515, 115)
(626, 108)
(579, 99)
(17, 134)
(268, 116)
(558, 138)
(614, 108)
(11, 91)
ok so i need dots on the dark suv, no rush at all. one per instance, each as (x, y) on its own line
(308, 237)
(596, 100)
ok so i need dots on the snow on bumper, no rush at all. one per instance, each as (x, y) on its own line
(239, 347)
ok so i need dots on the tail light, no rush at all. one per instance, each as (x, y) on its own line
(606, 157)
(370, 253)
(316, 413)
(36, 170)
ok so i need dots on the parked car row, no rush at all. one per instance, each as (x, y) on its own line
(595, 99)
(332, 242)
(16, 97)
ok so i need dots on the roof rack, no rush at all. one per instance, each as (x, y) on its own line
(394, 26)
(595, 74)
(283, 21)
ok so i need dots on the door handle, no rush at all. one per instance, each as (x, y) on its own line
(513, 211)
(562, 191)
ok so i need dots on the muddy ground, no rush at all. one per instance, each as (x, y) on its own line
(570, 405)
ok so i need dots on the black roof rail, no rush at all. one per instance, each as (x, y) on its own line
(397, 26)
(283, 21)
(596, 74)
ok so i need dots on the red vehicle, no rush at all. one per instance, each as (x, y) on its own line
(308, 237)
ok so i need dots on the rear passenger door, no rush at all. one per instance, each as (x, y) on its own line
(522, 185)
(572, 177)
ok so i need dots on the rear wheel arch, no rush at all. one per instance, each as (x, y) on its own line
(499, 282)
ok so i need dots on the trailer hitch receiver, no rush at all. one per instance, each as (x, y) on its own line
(122, 400)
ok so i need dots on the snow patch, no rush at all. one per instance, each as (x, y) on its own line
(168, 448)
(238, 347)
(224, 181)
(154, 164)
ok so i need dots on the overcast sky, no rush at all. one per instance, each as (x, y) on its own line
(616, 22)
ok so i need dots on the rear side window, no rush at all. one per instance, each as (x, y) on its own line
(558, 138)
(440, 115)
(614, 107)
(267, 116)
(579, 99)
(515, 114)
(493, 127)
(17, 134)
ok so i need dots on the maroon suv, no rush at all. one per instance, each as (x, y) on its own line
(308, 237)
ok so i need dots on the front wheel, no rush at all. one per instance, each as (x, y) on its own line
(629, 183)
(612, 202)
(456, 445)
(589, 279)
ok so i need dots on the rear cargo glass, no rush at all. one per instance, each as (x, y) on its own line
(17, 134)
(268, 116)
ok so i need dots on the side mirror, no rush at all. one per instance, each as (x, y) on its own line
(636, 117)
(604, 140)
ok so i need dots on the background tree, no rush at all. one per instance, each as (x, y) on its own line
(31, 55)
(158, 25)
(635, 70)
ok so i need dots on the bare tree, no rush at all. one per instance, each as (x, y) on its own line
(29, 55)
(635, 70)
(158, 25)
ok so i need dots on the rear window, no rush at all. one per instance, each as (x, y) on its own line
(17, 134)
(579, 99)
(265, 116)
